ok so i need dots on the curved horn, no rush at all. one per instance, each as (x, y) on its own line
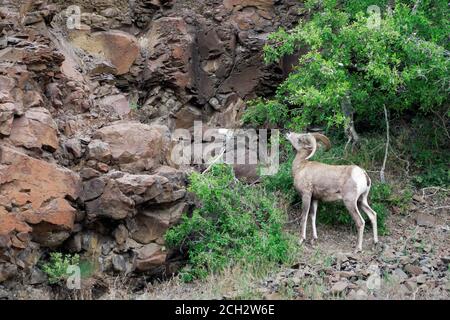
(322, 138)
(313, 143)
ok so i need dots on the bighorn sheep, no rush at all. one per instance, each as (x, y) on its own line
(318, 181)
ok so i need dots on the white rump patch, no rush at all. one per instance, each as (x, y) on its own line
(359, 176)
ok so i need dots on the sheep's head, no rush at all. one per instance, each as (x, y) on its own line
(308, 141)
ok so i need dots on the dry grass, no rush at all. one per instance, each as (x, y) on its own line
(231, 283)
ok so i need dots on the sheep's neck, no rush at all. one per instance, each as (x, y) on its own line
(300, 160)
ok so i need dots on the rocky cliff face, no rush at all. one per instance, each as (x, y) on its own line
(87, 115)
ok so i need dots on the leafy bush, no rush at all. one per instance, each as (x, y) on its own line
(282, 181)
(235, 224)
(402, 64)
(429, 148)
(56, 269)
(265, 111)
(435, 175)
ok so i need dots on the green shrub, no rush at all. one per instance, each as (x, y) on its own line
(56, 269)
(135, 106)
(236, 224)
(267, 112)
(435, 175)
(348, 63)
(402, 63)
(282, 182)
(429, 148)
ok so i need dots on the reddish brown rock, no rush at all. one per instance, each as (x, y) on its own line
(7, 111)
(41, 190)
(32, 99)
(35, 130)
(111, 204)
(119, 47)
(142, 188)
(153, 224)
(135, 146)
(185, 118)
(150, 257)
(251, 14)
(118, 195)
(34, 181)
(165, 61)
(11, 224)
(8, 105)
(52, 223)
(240, 4)
(116, 103)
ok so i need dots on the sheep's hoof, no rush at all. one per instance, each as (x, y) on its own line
(300, 242)
(358, 250)
(313, 241)
(378, 246)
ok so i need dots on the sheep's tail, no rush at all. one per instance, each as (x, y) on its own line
(369, 182)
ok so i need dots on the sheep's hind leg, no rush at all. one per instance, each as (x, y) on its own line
(371, 214)
(306, 204)
(352, 208)
(313, 211)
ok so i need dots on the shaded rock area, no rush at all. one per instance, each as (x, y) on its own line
(87, 113)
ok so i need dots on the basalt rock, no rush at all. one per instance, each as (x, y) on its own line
(134, 146)
(34, 194)
(119, 195)
(35, 206)
(86, 115)
(117, 47)
(35, 130)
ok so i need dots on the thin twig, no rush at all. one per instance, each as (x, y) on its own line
(229, 136)
(295, 219)
(416, 6)
(406, 161)
(217, 159)
(346, 146)
(436, 190)
(382, 176)
(438, 208)
(444, 123)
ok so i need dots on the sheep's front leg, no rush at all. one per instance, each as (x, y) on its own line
(306, 204)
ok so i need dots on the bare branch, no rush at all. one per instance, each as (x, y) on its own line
(382, 175)
(416, 6)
